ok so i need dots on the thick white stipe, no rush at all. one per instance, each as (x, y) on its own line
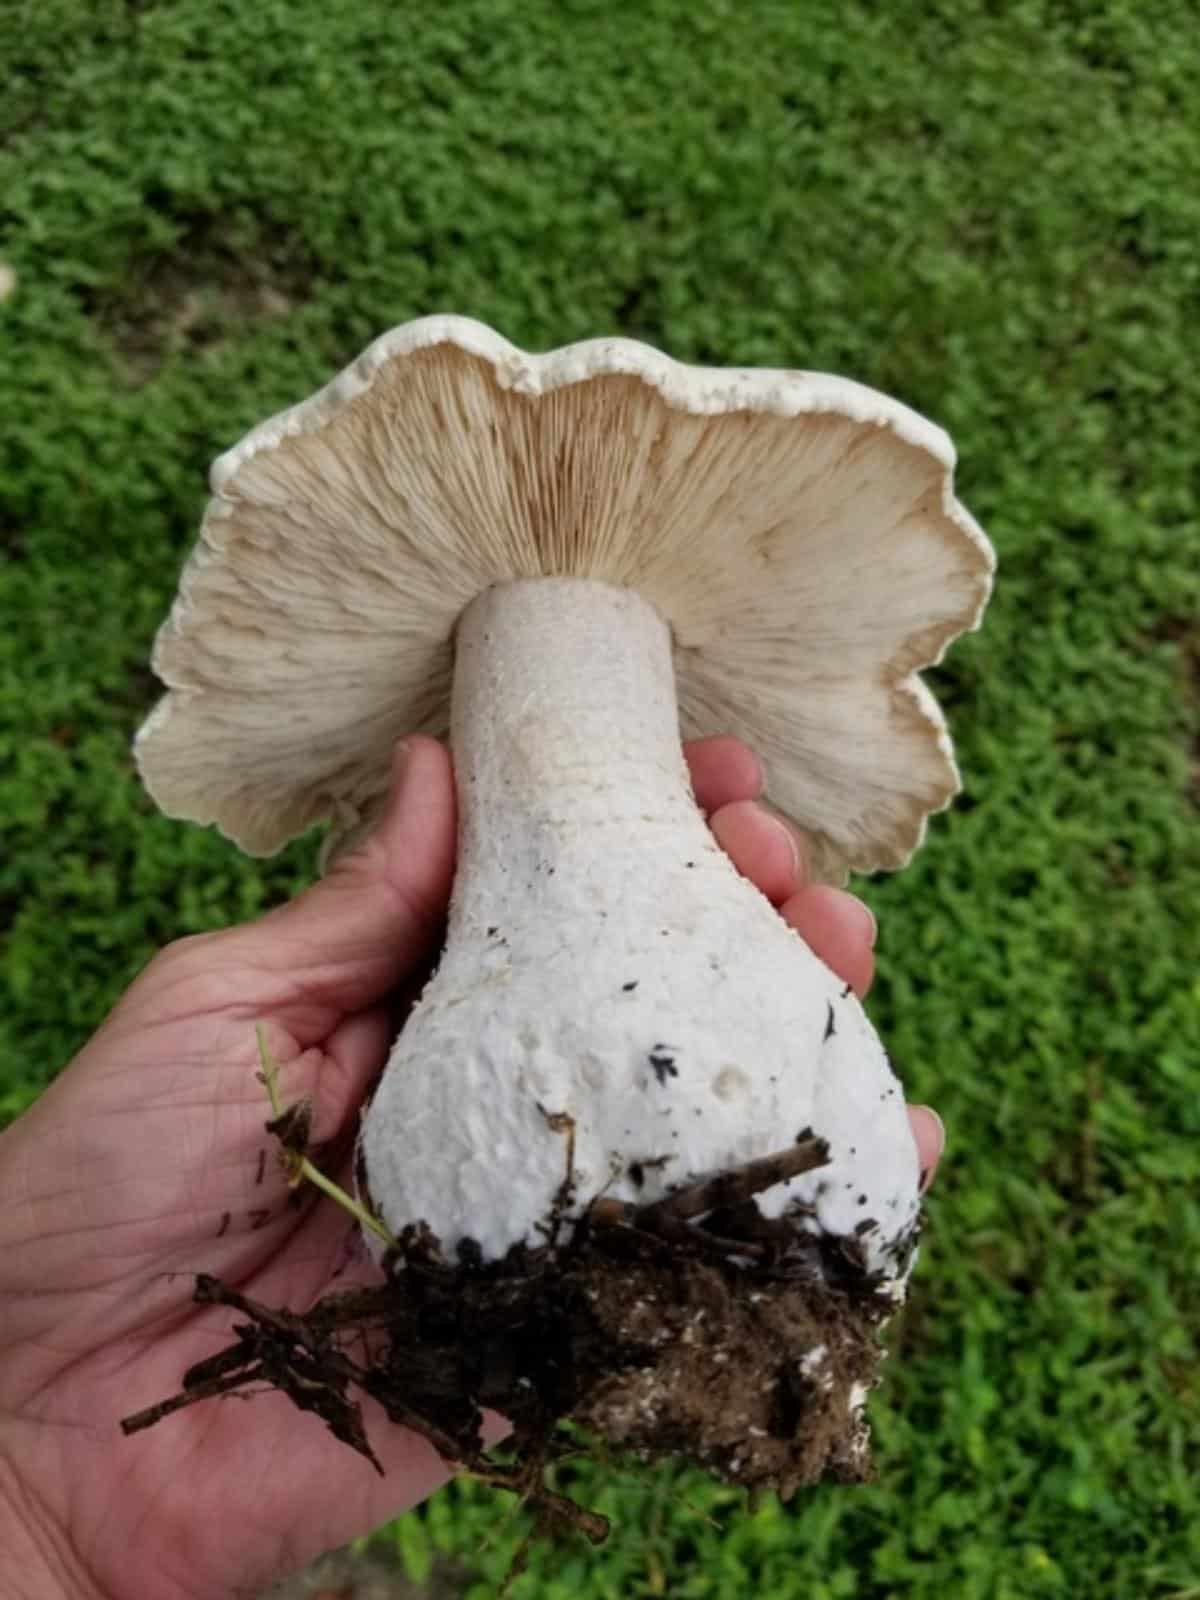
(605, 960)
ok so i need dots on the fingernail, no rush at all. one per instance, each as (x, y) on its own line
(794, 845)
(400, 755)
(863, 911)
(928, 1170)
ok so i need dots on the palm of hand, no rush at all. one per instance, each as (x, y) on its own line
(132, 1193)
(148, 1161)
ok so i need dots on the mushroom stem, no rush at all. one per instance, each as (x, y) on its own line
(565, 732)
(606, 967)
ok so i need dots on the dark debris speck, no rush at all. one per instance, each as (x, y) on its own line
(470, 1252)
(663, 1064)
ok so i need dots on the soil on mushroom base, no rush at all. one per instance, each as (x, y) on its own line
(681, 1347)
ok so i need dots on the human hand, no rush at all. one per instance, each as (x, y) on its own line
(143, 1164)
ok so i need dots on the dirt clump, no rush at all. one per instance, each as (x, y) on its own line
(690, 1328)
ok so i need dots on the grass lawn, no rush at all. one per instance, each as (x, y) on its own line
(989, 210)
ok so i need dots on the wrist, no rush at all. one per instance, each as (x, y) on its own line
(37, 1559)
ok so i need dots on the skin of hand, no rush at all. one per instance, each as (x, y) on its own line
(142, 1164)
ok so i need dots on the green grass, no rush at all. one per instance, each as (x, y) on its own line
(990, 210)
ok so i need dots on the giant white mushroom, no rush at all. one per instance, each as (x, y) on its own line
(564, 561)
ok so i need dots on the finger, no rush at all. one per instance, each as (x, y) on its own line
(357, 1049)
(723, 769)
(837, 927)
(379, 911)
(930, 1133)
(354, 1057)
(761, 846)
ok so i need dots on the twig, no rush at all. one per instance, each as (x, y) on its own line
(201, 1391)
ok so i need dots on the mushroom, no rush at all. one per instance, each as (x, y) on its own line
(563, 561)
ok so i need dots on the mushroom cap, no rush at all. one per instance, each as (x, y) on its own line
(798, 531)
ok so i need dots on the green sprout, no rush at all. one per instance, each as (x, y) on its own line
(290, 1125)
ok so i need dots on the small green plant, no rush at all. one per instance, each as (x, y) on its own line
(290, 1125)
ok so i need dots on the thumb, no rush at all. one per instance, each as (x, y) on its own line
(378, 913)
